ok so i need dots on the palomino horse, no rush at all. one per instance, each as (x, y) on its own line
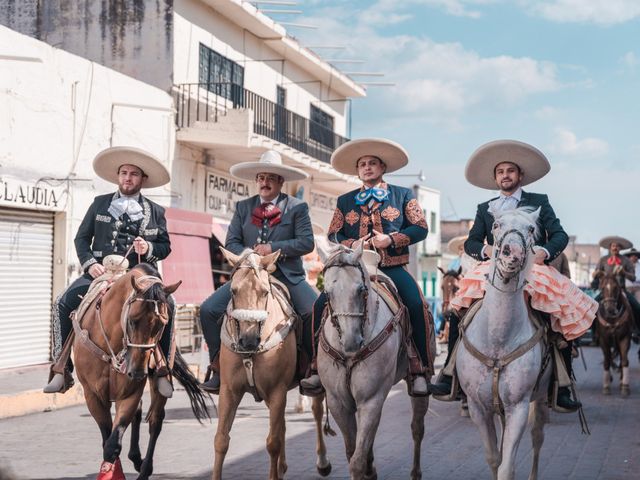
(500, 359)
(112, 352)
(368, 356)
(614, 330)
(258, 355)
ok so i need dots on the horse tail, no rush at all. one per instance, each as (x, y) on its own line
(197, 397)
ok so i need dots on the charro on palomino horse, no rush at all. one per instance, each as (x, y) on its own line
(363, 352)
(614, 330)
(258, 356)
(118, 327)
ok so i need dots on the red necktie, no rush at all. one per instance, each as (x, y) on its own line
(615, 260)
(266, 211)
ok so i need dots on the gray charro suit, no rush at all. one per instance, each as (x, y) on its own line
(293, 236)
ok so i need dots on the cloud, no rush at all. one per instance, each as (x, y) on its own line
(440, 82)
(599, 12)
(389, 12)
(567, 143)
(630, 60)
(546, 113)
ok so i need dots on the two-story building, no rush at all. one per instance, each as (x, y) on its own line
(202, 84)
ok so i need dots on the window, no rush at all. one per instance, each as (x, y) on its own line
(434, 222)
(222, 76)
(321, 127)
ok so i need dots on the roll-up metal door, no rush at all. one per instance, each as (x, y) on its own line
(26, 278)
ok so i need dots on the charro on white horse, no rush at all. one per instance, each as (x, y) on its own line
(501, 359)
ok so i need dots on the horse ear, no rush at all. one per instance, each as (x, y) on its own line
(268, 262)
(232, 258)
(535, 214)
(169, 289)
(441, 270)
(460, 270)
(357, 254)
(134, 284)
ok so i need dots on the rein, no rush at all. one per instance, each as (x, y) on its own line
(117, 359)
(618, 320)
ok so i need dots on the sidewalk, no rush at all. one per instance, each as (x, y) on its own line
(21, 389)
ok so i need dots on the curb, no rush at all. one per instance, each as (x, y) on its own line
(36, 401)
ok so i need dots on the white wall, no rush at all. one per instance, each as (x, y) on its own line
(59, 111)
(196, 23)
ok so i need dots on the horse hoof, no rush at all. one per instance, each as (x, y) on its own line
(624, 390)
(137, 461)
(111, 471)
(324, 471)
(464, 411)
(606, 391)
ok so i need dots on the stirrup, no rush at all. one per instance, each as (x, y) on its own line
(421, 382)
(452, 396)
(311, 386)
(59, 383)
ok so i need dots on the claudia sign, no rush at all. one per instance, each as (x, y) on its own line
(223, 192)
(24, 194)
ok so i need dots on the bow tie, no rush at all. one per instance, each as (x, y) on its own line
(378, 194)
(614, 261)
(129, 205)
(267, 211)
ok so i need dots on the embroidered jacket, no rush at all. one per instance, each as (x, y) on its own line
(399, 216)
(100, 234)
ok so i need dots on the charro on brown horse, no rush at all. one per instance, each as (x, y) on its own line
(116, 337)
(258, 356)
(615, 320)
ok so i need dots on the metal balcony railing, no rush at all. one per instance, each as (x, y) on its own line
(207, 102)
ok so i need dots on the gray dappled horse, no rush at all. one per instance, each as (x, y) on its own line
(500, 359)
(356, 389)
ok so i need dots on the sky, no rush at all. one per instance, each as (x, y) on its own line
(562, 75)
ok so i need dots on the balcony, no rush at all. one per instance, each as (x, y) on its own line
(210, 102)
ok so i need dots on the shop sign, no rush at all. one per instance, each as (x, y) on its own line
(19, 193)
(222, 192)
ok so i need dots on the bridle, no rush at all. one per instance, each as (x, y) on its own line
(526, 245)
(364, 293)
(249, 316)
(118, 360)
(619, 306)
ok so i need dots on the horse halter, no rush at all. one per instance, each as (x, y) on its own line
(258, 317)
(526, 245)
(615, 300)
(364, 291)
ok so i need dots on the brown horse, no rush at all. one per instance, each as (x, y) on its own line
(258, 355)
(122, 329)
(450, 282)
(614, 330)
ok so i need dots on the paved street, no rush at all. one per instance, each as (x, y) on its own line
(66, 444)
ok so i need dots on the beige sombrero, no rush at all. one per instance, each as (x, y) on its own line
(107, 163)
(482, 163)
(345, 157)
(455, 243)
(622, 242)
(270, 162)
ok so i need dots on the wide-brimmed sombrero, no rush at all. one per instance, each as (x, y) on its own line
(482, 163)
(455, 243)
(346, 156)
(622, 242)
(317, 228)
(107, 163)
(270, 162)
(633, 251)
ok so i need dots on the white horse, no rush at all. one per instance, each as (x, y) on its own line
(359, 360)
(500, 358)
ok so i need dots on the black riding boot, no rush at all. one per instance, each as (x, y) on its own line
(564, 393)
(443, 387)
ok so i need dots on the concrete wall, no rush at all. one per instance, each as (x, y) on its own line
(59, 111)
(134, 37)
(264, 69)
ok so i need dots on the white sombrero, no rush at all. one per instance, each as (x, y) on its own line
(317, 228)
(270, 162)
(107, 163)
(346, 156)
(482, 163)
(454, 244)
(622, 242)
